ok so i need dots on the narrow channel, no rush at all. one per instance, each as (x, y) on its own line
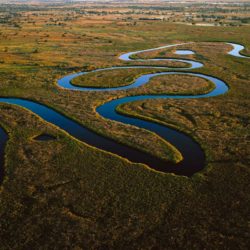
(194, 158)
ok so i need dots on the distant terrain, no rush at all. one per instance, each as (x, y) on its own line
(126, 1)
(58, 192)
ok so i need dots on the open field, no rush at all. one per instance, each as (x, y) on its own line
(63, 194)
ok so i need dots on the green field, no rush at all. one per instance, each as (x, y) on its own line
(63, 194)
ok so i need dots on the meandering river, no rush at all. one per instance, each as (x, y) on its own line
(193, 156)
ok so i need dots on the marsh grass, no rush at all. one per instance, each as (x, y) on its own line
(64, 194)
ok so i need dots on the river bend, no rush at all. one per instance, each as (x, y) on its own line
(193, 156)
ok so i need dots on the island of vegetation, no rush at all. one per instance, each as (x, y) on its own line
(58, 192)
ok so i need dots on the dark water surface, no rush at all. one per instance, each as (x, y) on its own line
(194, 158)
(44, 137)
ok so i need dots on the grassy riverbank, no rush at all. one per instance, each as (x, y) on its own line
(64, 194)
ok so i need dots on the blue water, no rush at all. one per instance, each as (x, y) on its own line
(237, 48)
(184, 52)
(65, 82)
(193, 156)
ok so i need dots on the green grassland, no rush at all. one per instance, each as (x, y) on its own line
(111, 78)
(63, 194)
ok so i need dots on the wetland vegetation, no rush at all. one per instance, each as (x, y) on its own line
(65, 194)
